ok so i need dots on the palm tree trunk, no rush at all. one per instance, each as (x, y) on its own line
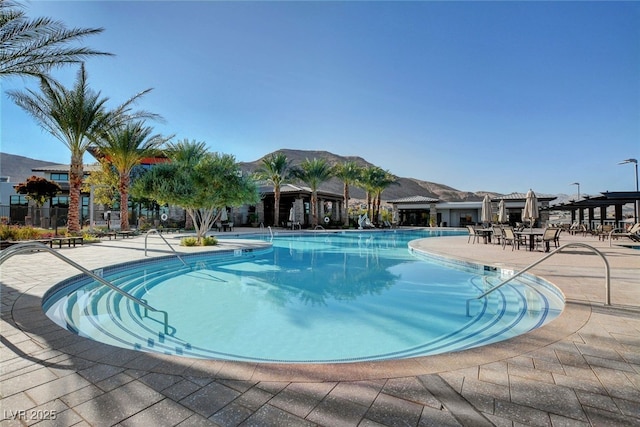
(276, 206)
(75, 184)
(123, 187)
(345, 205)
(314, 209)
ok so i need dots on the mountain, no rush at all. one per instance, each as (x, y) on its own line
(18, 168)
(405, 187)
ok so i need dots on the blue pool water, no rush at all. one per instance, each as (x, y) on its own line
(326, 297)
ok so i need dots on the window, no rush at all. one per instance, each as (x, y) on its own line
(60, 201)
(18, 201)
(60, 177)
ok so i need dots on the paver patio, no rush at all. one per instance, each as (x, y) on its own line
(582, 369)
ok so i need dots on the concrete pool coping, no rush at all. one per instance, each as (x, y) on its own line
(32, 338)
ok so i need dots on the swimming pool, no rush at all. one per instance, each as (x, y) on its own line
(311, 298)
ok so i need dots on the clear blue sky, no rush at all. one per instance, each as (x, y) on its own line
(496, 96)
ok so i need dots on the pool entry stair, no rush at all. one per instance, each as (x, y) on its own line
(607, 274)
(31, 246)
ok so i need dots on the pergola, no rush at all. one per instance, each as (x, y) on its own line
(617, 199)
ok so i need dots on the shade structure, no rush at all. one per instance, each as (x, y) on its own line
(486, 213)
(530, 210)
(502, 212)
(223, 215)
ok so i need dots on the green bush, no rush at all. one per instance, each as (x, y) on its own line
(189, 241)
(13, 232)
(8, 232)
(209, 241)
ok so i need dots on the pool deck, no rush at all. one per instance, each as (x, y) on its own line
(583, 369)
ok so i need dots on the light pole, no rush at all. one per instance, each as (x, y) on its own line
(635, 162)
(578, 184)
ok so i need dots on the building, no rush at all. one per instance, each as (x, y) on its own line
(427, 211)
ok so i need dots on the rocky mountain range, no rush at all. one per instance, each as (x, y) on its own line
(18, 168)
(405, 187)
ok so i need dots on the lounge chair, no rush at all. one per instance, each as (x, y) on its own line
(633, 233)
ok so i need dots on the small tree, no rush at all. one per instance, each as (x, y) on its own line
(201, 183)
(104, 183)
(38, 189)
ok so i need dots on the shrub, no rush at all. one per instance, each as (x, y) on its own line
(189, 241)
(8, 232)
(209, 241)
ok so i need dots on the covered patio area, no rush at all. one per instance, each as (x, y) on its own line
(606, 209)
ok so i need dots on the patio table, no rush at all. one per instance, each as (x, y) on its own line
(531, 233)
(486, 234)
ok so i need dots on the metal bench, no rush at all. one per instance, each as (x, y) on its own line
(72, 240)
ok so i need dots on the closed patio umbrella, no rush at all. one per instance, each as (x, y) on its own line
(223, 215)
(530, 211)
(292, 214)
(486, 213)
(502, 212)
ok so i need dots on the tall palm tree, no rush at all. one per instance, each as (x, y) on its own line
(313, 173)
(276, 170)
(374, 180)
(124, 147)
(34, 47)
(383, 181)
(76, 117)
(349, 172)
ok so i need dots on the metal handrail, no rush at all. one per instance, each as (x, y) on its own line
(153, 230)
(30, 246)
(270, 232)
(581, 245)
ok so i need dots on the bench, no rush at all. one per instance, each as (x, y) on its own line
(125, 234)
(68, 240)
(101, 234)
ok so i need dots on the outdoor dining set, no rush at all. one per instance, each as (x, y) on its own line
(507, 235)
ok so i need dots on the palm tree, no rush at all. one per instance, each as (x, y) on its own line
(34, 47)
(349, 172)
(76, 117)
(374, 180)
(383, 181)
(313, 173)
(275, 169)
(124, 147)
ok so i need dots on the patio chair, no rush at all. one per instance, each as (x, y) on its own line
(556, 241)
(602, 231)
(509, 237)
(497, 234)
(633, 233)
(548, 237)
(472, 234)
